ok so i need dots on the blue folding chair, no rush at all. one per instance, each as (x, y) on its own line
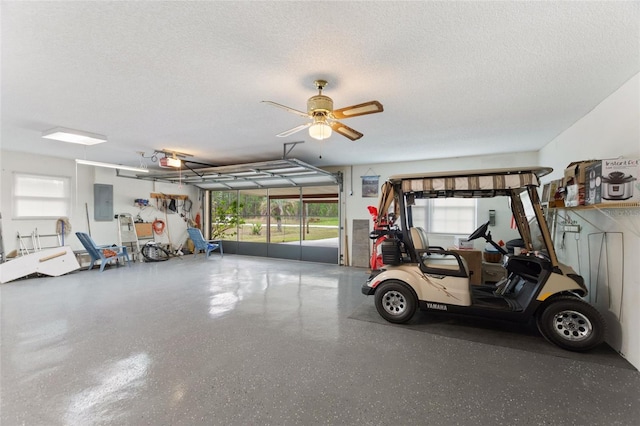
(97, 252)
(201, 244)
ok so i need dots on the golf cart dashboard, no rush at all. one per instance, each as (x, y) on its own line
(528, 267)
(525, 272)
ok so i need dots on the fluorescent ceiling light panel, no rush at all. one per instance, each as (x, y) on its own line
(74, 136)
(111, 166)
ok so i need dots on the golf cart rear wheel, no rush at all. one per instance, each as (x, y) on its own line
(572, 324)
(395, 301)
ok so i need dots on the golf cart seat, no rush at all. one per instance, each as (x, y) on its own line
(434, 256)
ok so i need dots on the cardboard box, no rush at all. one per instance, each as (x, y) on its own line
(556, 193)
(572, 195)
(461, 243)
(575, 173)
(474, 263)
(619, 181)
(593, 184)
(575, 181)
(144, 230)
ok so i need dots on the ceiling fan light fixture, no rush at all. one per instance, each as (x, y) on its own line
(324, 117)
(320, 130)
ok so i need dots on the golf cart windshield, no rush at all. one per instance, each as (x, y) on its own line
(520, 185)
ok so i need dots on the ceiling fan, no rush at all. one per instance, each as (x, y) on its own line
(324, 117)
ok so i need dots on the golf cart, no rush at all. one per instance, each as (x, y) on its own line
(536, 286)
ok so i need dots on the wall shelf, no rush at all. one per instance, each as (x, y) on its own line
(601, 206)
(620, 210)
(168, 196)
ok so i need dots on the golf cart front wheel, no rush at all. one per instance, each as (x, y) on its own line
(395, 301)
(572, 324)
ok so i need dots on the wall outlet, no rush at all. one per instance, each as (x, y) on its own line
(571, 228)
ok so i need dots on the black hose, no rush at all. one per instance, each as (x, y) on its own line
(152, 252)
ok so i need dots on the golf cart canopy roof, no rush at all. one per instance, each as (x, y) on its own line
(473, 181)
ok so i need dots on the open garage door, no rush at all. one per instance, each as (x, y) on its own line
(283, 208)
(300, 223)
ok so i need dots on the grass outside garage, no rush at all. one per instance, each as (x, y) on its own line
(256, 231)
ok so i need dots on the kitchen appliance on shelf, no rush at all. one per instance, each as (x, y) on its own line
(617, 186)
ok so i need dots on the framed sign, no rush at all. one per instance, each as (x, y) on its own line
(370, 186)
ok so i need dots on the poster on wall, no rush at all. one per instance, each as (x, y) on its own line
(370, 186)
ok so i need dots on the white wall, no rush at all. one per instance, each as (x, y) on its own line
(610, 130)
(125, 191)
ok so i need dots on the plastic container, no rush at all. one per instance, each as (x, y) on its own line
(391, 252)
(492, 256)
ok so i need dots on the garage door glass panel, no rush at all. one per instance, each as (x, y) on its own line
(284, 209)
(253, 216)
(225, 214)
(320, 217)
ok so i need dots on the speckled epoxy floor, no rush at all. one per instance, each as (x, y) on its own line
(250, 341)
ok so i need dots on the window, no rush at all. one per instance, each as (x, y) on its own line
(38, 196)
(451, 216)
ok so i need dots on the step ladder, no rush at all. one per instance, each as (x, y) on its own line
(127, 235)
(36, 243)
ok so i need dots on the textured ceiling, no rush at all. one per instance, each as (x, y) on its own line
(455, 78)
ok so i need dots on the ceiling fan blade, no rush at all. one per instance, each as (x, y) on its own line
(345, 131)
(294, 130)
(370, 107)
(286, 108)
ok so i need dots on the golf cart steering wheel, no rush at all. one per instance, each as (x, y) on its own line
(480, 232)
